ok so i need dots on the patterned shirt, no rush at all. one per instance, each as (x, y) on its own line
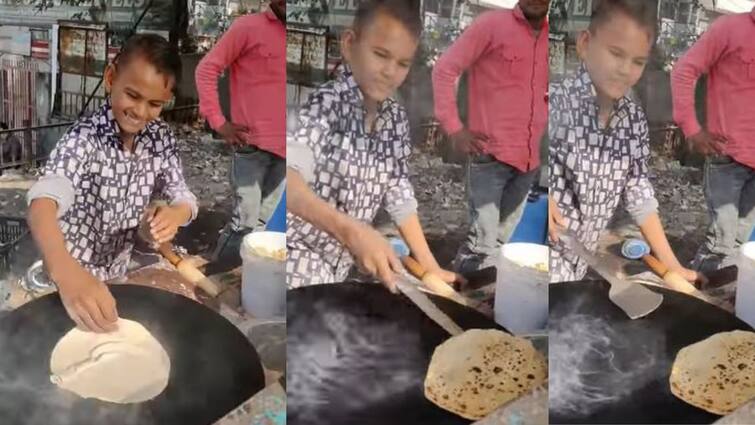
(355, 170)
(102, 190)
(593, 169)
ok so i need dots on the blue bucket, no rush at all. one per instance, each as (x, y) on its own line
(277, 222)
(533, 227)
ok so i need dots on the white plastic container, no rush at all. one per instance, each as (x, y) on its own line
(263, 278)
(745, 300)
(521, 296)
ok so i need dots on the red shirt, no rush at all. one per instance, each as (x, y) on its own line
(508, 85)
(254, 49)
(727, 54)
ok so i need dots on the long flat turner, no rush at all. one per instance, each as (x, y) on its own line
(636, 300)
(405, 284)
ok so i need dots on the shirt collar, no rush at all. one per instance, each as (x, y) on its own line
(351, 91)
(752, 14)
(270, 15)
(106, 123)
(586, 89)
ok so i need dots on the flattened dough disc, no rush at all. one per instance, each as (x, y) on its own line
(125, 366)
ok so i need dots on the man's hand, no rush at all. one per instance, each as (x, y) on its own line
(555, 220)
(86, 299)
(468, 142)
(164, 222)
(234, 134)
(373, 253)
(707, 143)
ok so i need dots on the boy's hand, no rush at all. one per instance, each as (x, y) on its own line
(555, 220)
(164, 223)
(690, 275)
(373, 253)
(234, 134)
(447, 276)
(468, 142)
(87, 301)
(707, 144)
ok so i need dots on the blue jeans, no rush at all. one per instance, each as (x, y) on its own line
(730, 194)
(496, 193)
(258, 179)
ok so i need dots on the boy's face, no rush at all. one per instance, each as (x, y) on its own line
(380, 56)
(137, 93)
(615, 54)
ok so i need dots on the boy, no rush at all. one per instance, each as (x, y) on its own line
(506, 55)
(349, 157)
(727, 54)
(599, 144)
(254, 49)
(85, 210)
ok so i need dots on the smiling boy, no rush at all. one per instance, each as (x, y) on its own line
(348, 157)
(599, 142)
(85, 210)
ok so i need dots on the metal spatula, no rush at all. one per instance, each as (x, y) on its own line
(636, 300)
(408, 286)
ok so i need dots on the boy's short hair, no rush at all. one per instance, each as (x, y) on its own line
(156, 50)
(405, 11)
(643, 12)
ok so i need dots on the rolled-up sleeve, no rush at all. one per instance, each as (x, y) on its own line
(63, 170)
(639, 196)
(171, 182)
(311, 129)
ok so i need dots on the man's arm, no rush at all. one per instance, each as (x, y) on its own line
(230, 46)
(472, 43)
(696, 61)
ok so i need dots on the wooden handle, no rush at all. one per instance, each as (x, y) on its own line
(196, 277)
(435, 283)
(188, 270)
(656, 266)
(166, 249)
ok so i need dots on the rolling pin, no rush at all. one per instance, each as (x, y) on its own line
(676, 282)
(430, 280)
(188, 270)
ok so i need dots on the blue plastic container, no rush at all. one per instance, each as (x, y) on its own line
(277, 222)
(533, 227)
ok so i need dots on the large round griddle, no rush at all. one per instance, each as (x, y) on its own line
(358, 354)
(622, 366)
(214, 368)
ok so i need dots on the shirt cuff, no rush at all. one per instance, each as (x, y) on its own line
(216, 121)
(642, 210)
(56, 187)
(452, 127)
(399, 213)
(192, 202)
(690, 128)
(301, 158)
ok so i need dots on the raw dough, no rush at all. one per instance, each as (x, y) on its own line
(716, 374)
(474, 373)
(125, 366)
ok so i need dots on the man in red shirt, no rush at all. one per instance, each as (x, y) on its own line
(726, 53)
(505, 53)
(254, 50)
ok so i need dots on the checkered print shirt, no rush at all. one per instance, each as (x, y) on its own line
(102, 190)
(356, 171)
(594, 169)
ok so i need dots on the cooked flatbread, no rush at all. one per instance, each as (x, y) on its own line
(474, 373)
(716, 374)
(125, 366)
